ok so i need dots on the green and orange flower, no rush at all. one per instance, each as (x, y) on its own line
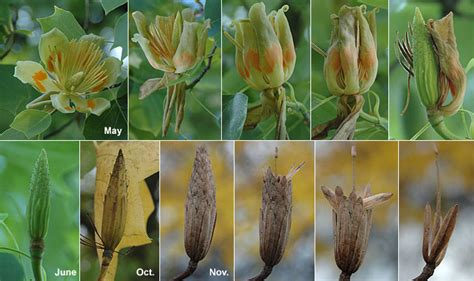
(72, 71)
(265, 53)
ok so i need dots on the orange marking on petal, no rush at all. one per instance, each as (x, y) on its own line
(288, 56)
(253, 59)
(186, 59)
(38, 77)
(50, 63)
(272, 57)
(99, 86)
(68, 107)
(90, 104)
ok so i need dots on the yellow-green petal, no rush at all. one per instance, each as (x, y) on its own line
(185, 57)
(51, 43)
(62, 103)
(34, 74)
(98, 106)
(98, 40)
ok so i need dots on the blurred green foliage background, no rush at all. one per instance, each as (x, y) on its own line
(251, 160)
(177, 160)
(376, 164)
(232, 83)
(203, 103)
(14, 95)
(401, 13)
(321, 36)
(17, 160)
(418, 187)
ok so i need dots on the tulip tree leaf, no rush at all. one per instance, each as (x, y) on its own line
(31, 122)
(11, 267)
(376, 3)
(12, 134)
(121, 34)
(234, 114)
(64, 21)
(110, 5)
(114, 117)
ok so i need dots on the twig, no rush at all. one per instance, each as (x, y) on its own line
(85, 25)
(205, 70)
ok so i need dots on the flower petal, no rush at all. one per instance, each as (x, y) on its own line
(98, 40)
(98, 106)
(33, 73)
(62, 103)
(80, 103)
(52, 42)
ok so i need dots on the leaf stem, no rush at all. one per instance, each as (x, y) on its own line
(15, 251)
(324, 101)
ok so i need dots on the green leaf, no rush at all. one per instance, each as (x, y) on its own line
(31, 122)
(121, 38)
(3, 217)
(234, 113)
(376, 3)
(11, 267)
(14, 96)
(12, 134)
(110, 5)
(115, 117)
(64, 21)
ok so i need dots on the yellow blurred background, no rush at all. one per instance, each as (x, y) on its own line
(376, 164)
(177, 160)
(252, 157)
(417, 188)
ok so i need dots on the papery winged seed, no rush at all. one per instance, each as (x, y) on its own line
(444, 234)
(427, 233)
(375, 200)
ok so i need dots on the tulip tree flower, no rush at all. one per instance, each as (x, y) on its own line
(72, 71)
(429, 54)
(265, 58)
(350, 67)
(176, 45)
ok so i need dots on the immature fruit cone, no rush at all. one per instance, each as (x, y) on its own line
(265, 54)
(200, 212)
(350, 67)
(429, 53)
(37, 213)
(275, 218)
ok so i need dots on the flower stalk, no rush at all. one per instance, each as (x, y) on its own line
(38, 212)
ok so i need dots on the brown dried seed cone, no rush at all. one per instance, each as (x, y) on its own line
(275, 218)
(200, 211)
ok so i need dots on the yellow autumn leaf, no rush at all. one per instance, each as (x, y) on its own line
(142, 161)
